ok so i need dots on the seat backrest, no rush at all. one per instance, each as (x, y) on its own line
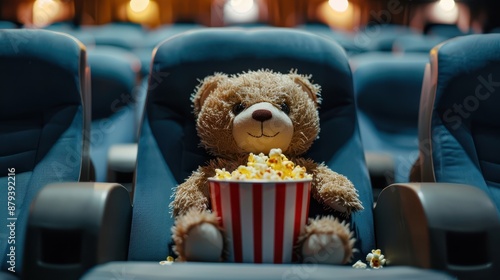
(380, 37)
(44, 124)
(387, 89)
(76, 31)
(169, 146)
(446, 30)
(114, 78)
(7, 24)
(156, 36)
(459, 117)
(343, 38)
(117, 34)
(412, 43)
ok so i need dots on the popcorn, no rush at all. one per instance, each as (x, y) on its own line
(275, 167)
(376, 259)
(359, 264)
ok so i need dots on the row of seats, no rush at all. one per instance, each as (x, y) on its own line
(390, 143)
(387, 89)
(58, 118)
(391, 148)
(383, 37)
(115, 74)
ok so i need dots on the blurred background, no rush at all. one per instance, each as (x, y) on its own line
(346, 15)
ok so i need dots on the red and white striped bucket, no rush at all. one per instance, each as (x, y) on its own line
(262, 220)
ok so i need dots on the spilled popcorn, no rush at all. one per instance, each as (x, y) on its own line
(375, 260)
(274, 167)
(170, 260)
(359, 264)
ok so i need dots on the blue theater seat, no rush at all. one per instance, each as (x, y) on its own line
(76, 31)
(447, 31)
(117, 34)
(459, 161)
(416, 43)
(44, 125)
(460, 114)
(156, 36)
(168, 144)
(380, 37)
(114, 78)
(343, 38)
(7, 24)
(387, 89)
(169, 147)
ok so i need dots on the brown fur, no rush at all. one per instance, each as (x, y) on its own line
(213, 105)
(215, 115)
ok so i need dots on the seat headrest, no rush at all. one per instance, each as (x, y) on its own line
(114, 73)
(42, 86)
(39, 71)
(468, 77)
(196, 54)
(388, 85)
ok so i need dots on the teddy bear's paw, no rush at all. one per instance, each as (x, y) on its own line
(204, 243)
(339, 194)
(323, 249)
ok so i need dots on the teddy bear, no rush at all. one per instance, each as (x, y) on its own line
(254, 112)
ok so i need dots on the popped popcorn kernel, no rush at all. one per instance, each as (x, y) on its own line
(275, 167)
(222, 174)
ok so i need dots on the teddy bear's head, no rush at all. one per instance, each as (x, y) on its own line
(255, 112)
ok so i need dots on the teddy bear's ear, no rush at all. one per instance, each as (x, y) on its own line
(311, 89)
(205, 88)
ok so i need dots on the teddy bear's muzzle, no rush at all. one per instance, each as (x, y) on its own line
(262, 127)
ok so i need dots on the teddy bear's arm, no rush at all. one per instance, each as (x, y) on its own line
(331, 188)
(193, 193)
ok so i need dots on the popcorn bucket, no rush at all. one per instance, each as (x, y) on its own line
(261, 219)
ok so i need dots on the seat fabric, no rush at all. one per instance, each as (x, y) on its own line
(459, 143)
(114, 78)
(43, 123)
(387, 89)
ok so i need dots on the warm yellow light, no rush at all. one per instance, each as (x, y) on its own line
(339, 5)
(240, 11)
(447, 5)
(445, 13)
(337, 20)
(149, 16)
(241, 6)
(139, 5)
(45, 11)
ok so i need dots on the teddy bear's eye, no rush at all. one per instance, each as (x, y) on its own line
(238, 108)
(285, 108)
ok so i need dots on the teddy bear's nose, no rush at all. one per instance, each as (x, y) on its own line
(262, 115)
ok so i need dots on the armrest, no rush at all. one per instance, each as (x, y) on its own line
(381, 168)
(122, 157)
(249, 271)
(451, 227)
(121, 160)
(379, 164)
(74, 226)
